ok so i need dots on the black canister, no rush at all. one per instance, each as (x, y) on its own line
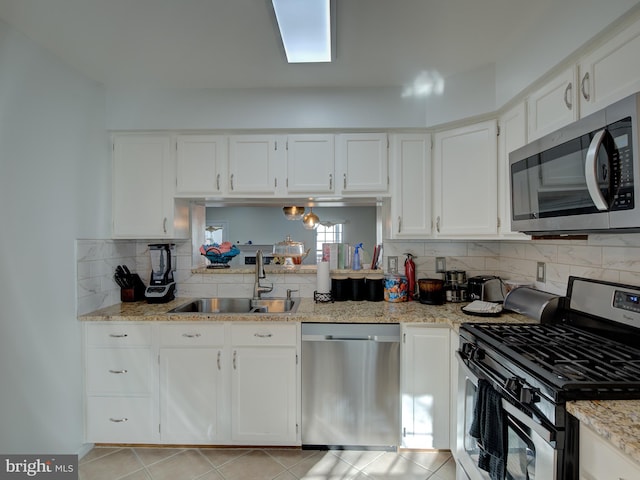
(340, 288)
(374, 285)
(358, 291)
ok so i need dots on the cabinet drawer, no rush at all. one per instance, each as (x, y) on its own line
(120, 420)
(119, 370)
(119, 335)
(192, 334)
(258, 333)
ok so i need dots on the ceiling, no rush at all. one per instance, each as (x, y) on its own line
(235, 43)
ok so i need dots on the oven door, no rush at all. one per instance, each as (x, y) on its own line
(530, 453)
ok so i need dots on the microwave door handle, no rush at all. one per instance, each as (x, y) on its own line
(591, 171)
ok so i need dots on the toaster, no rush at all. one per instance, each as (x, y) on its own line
(487, 288)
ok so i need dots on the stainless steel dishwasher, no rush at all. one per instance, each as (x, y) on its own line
(351, 386)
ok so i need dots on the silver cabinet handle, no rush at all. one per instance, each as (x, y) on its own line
(567, 99)
(119, 420)
(218, 182)
(263, 335)
(275, 182)
(438, 224)
(583, 87)
(399, 223)
(118, 371)
(118, 335)
(344, 181)
(235, 360)
(231, 180)
(191, 335)
(218, 360)
(164, 225)
(330, 181)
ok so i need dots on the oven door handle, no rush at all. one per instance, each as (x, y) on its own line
(527, 421)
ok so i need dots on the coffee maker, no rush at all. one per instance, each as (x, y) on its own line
(162, 287)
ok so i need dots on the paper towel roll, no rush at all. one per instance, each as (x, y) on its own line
(323, 278)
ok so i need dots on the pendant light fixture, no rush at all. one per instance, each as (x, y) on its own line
(293, 213)
(310, 220)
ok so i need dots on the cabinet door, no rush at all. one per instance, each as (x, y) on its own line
(411, 186)
(599, 460)
(310, 163)
(610, 72)
(465, 181)
(553, 105)
(255, 164)
(200, 164)
(263, 395)
(363, 162)
(513, 135)
(190, 394)
(143, 187)
(425, 387)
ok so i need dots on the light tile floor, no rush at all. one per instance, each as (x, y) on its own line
(114, 463)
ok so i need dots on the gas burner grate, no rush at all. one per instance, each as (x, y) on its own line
(566, 356)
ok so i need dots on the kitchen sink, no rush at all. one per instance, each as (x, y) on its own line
(238, 305)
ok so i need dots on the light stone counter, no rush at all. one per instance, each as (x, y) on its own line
(618, 421)
(308, 311)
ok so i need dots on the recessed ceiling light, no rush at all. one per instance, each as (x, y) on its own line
(305, 29)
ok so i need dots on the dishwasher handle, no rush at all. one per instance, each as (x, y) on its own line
(350, 338)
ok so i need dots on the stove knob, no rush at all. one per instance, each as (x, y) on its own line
(528, 395)
(467, 348)
(477, 354)
(512, 385)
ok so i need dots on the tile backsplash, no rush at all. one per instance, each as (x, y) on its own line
(612, 257)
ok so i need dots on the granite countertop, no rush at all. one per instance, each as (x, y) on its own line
(308, 311)
(618, 421)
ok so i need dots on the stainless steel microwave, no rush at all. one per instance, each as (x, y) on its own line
(582, 178)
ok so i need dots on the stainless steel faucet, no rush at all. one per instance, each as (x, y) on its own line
(257, 288)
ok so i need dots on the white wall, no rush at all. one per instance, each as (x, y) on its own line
(54, 184)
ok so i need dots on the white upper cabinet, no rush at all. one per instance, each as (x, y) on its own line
(610, 72)
(256, 164)
(144, 180)
(465, 181)
(411, 186)
(513, 135)
(362, 161)
(201, 162)
(310, 163)
(554, 105)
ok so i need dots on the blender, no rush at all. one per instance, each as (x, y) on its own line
(162, 286)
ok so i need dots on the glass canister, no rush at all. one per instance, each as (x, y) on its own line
(396, 288)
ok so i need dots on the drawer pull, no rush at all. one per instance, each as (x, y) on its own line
(119, 420)
(263, 335)
(191, 335)
(118, 335)
(117, 371)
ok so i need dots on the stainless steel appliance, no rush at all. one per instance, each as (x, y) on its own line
(351, 386)
(487, 288)
(589, 351)
(162, 286)
(582, 178)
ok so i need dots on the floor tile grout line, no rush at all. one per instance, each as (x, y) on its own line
(144, 467)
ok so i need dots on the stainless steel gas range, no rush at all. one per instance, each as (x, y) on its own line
(515, 380)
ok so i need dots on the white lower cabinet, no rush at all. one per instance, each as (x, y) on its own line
(119, 381)
(264, 384)
(192, 383)
(425, 386)
(599, 460)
